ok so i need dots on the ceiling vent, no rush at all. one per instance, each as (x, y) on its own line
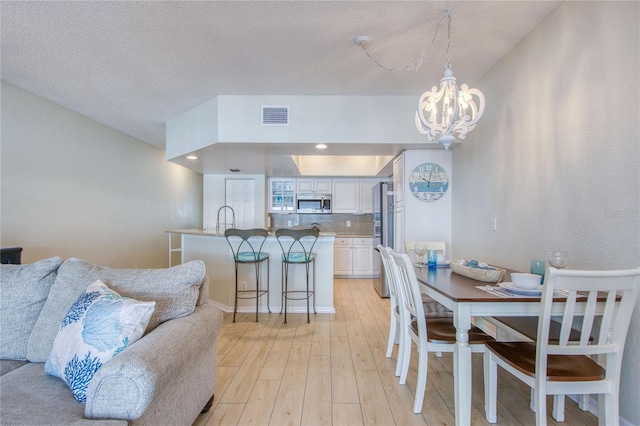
(275, 115)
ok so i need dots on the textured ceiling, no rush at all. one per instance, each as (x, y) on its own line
(134, 65)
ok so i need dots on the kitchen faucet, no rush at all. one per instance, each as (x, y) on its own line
(316, 226)
(233, 219)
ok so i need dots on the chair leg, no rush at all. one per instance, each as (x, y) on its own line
(393, 325)
(257, 267)
(583, 402)
(532, 400)
(490, 388)
(558, 408)
(421, 384)
(401, 349)
(541, 407)
(308, 317)
(268, 285)
(235, 303)
(608, 408)
(406, 359)
(286, 282)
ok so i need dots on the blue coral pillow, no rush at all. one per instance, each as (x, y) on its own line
(98, 326)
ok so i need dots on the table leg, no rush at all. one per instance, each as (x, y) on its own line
(462, 365)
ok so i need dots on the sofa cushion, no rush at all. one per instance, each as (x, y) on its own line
(7, 365)
(23, 292)
(30, 397)
(175, 291)
(98, 326)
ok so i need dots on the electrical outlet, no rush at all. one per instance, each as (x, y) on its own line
(243, 285)
(494, 224)
(288, 223)
(348, 224)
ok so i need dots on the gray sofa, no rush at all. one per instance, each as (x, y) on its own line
(167, 377)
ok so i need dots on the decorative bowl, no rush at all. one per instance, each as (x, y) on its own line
(523, 280)
(485, 275)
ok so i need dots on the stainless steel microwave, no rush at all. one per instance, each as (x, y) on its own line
(313, 203)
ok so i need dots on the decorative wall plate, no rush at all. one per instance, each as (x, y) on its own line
(428, 182)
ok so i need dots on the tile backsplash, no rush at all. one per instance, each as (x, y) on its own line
(335, 222)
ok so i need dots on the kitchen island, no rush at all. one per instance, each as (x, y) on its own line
(215, 252)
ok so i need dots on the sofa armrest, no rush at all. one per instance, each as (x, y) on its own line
(126, 385)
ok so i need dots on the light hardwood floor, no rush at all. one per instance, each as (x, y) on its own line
(334, 371)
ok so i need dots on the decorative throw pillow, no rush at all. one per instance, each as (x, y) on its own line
(98, 326)
(175, 291)
(23, 292)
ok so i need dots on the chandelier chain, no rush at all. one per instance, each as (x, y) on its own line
(415, 65)
(448, 15)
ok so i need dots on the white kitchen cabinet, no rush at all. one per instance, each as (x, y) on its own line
(353, 195)
(311, 185)
(282, 195)
(366, 194)
(345, 196)
(353, 257)
(342, 257)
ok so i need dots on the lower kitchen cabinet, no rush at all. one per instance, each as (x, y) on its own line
(353, 257)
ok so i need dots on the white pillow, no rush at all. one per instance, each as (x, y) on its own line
(98, 326)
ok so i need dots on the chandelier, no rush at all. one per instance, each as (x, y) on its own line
(446, 112)
(449, 110)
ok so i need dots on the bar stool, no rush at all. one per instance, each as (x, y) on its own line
(246, 246)
(297, 249)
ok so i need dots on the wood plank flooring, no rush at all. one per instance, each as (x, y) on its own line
(334, 371)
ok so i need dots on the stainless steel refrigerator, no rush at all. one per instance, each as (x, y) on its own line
(382, 231)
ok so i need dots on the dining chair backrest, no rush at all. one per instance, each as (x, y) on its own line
(246, 244)
(297, 244)
(389, 273)
(439, 246)
(409, 290)
(621, 289)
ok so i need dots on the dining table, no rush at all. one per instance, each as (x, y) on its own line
(469, 298)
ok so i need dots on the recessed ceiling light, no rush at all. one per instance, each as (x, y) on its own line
(192, 157)
(321, 146)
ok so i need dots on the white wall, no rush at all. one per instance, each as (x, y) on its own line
(74, 187)
(556, 156)
(427, 221)
(327, 119)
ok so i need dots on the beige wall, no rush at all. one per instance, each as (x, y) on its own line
(74, 187)
(556, 156)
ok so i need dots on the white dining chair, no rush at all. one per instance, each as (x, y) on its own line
(395, 328)
(439, 246)
(396, 332)
(569, 366)
(428, 333)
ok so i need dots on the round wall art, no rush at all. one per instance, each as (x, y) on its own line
(428, 182)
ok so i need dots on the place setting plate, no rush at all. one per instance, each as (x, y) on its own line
(511, 288)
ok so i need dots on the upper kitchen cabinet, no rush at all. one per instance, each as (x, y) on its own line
(353, 195)
(310, 185)
(282, 195)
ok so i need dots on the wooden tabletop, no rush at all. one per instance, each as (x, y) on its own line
(462, 289)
